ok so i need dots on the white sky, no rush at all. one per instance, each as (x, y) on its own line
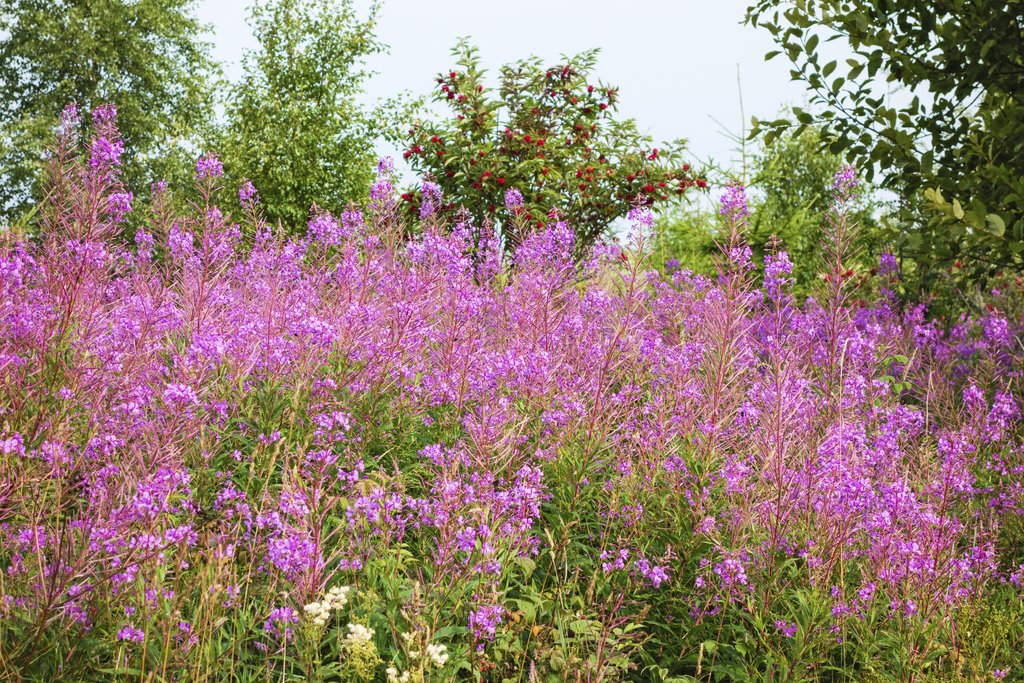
(675, 61)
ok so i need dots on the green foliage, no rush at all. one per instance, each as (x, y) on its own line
(145, 56)
(295, 127)
(550, 133)
(930, 100)
(687, 234)
(791, 178)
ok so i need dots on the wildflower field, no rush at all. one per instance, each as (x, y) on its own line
(394, 452)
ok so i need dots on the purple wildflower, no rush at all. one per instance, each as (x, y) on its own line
(119, 205)
(279, 624)
(513, 200)
(131, 634)
(247, 195)
(209, 166)
(431, 199)
(733, 203)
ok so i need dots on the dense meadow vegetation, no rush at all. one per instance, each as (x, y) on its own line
(399, 451)
(531, 413)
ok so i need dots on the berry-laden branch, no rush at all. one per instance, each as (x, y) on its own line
(550, 133)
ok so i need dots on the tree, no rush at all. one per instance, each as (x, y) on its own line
(932, 101)
(294, 126)
(144, 56)
(551, 135)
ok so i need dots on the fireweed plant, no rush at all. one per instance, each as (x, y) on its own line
(228, 455)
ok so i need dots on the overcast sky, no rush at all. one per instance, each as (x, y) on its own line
(675, 61)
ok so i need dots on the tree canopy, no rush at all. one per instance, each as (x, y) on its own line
(931, 102)
(147, 57)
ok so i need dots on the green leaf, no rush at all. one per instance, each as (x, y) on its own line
(447, 632)
(995, 224)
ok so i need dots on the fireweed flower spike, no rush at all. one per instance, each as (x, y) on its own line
(513, 200)
(431, 199)
(733, 204)
(107, 148)
(119, 205)
(209, 166)
(777, 269)
(383, 189)
(247, 195)
(69, 122)
(846, 182)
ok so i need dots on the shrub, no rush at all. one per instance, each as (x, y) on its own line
(548, 135)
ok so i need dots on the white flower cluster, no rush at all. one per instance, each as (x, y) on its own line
(335, 599)
(437, 653)
(395, 677)
(357, 633)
